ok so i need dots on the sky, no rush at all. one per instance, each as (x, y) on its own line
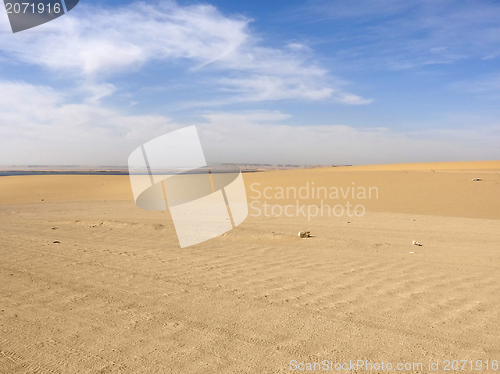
(281, 82)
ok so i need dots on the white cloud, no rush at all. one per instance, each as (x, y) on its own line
(98, 91)
(100, 40)
(298, 47)
(95, 43)
(260, 138)
(39, 125)
(261, 88)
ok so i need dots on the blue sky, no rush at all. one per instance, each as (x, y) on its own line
(302, 82)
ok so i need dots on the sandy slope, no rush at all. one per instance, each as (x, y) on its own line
(118, 295)
(491, 166)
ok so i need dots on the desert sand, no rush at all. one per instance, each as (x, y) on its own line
(92, 284)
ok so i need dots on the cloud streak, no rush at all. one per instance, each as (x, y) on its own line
(400, 35)
(96, 44)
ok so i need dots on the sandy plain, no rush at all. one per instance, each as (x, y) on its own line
(92, 284)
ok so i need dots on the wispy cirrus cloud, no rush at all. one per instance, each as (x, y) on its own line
(95, 44)
(105, 41)
(401, 35)
(486, 86)
(261, 88)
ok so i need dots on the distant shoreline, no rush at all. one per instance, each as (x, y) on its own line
(26, 170)
(28, 173)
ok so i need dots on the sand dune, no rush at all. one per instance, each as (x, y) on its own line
(426, 166)
(117, 294)
(401, 189)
